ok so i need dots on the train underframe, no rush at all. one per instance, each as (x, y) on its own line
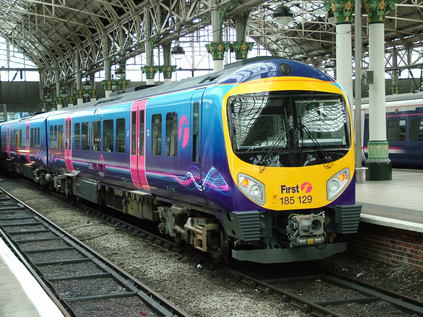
(264, 237)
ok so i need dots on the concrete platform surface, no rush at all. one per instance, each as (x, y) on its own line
(20, 293)
(397, 203)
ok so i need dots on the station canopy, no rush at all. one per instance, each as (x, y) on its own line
(54, 33)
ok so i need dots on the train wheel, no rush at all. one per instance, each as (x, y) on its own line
(223, 252)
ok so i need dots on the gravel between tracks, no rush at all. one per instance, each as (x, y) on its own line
(199, 291)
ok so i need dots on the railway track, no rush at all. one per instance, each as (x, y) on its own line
(78, 279)
(330, 295)
(303, 292)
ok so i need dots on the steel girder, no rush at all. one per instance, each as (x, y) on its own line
(54, 33)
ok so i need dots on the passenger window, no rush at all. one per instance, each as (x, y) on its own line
(171, 133)
(416, 130)
(120, 135)
(195, 130)
(18, 138)
(85, 136)
(96, 138)
(31, 141)
(60, 137)
(51, 136)
(77, 136)
(55, 136)
(156, 142)
(108, 133)
(141, 145)
(396, 130)
(133, 133)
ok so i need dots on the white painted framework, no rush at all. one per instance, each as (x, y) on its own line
(54, 33)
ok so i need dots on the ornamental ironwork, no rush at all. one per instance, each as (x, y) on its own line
(342, 10)
(217, 50)
(167, 71)
(377, 9)
(241, 49)
(150, 71)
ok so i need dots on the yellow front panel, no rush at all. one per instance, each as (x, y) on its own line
(288, 187)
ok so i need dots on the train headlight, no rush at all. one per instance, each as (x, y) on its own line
(252, 188)
(337, 183)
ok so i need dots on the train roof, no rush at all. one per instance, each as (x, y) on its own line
(237, 72)
(242, 71)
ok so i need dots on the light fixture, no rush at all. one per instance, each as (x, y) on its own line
(177, 51)
(48, 98)
(283, 15)
(63, 93)
(120, 72)
(330, 64)
(86, 84)
(331, 18)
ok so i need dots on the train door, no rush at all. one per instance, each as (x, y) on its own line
(138, 172)
(68, 144)
(196, 112)
(27, 143)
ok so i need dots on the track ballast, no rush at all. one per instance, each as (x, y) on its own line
(81, 281)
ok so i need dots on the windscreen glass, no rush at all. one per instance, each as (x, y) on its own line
(290, 128)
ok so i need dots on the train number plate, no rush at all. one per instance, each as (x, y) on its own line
(291, 200)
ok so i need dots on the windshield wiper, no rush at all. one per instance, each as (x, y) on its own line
(324, 156)
(264, 160)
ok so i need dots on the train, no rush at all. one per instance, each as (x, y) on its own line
(404, 129)
(253, 163)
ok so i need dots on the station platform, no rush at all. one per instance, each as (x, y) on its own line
(397, 203)
(20, 293)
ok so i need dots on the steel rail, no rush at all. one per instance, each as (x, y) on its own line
(371, 292)
(313, 308)
(133, 287)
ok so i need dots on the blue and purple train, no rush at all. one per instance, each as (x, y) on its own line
(255, 162)
(404, 129)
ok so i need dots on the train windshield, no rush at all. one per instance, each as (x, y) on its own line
(290, 128)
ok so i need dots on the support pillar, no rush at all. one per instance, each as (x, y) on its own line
(241, 47)
(93, 92)
(344, 58)
(150, 70)
(4, 112)
(79, 93)
(395, 72)
(378, 163)
(41, 89)
(122, 83)
(107, 68)
(358, 45)
(217, 48)
(59, 101)
(342, 11)
(167, 69)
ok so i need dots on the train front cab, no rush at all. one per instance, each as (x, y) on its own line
(291, 155)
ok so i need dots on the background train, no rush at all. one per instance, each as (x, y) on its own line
(404, 129)
(255, 162)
